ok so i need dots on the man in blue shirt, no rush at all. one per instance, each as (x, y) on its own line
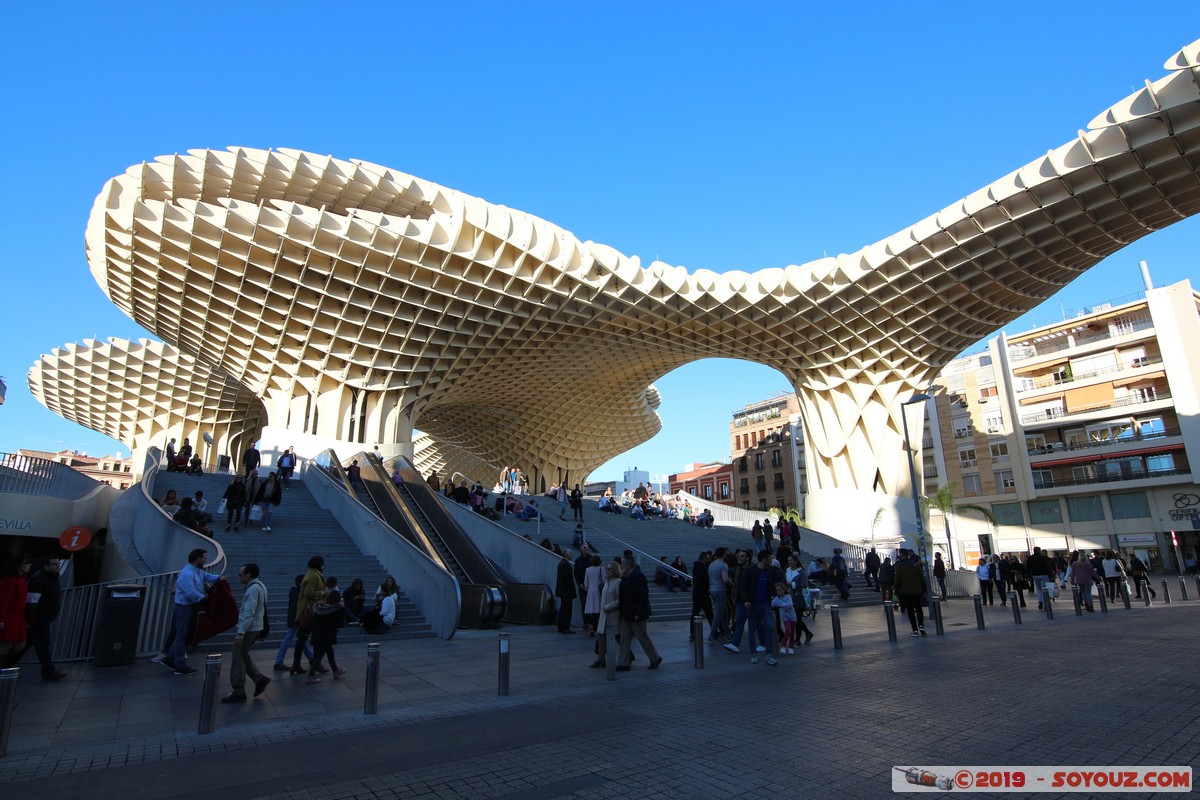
(189, 593)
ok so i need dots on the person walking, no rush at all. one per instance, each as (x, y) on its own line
(234, 498)
(1083, 575)
(1040, 569)
(984, 573)
(251, 459)
(939, 574)
(755, 590)
(287, 465)
(327, 618)
(610, 612)
(312, 591)
(289, 638)
(577, 504)
(871, 567)
(565, 591)
(251, 619)
(634, 606)
(14, 591)
(270, 495)
(718, 589)
(910, 588)
(189, 594)
(701, 602)
(45, 597)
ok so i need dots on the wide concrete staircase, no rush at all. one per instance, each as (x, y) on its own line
(300, 529)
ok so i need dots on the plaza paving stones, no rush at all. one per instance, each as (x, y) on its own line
(1103, 689)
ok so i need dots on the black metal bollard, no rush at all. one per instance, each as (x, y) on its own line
(1146, 593)
(1100, 593)
(503, 666)
(8, 694)
(1197, 577)
(935, 611)
(835, 621)
(208, 695)
(1124, 587)
(698, 640)
(1049, 604)
(979, 623)
(1166, 592)
(1012, 601)
(1182, 588)
(890, 617)
(1077, 599)
(371, 694)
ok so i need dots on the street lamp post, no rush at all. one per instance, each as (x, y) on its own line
(912, 479)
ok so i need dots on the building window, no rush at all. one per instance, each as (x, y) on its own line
(963, 428)
(746, 504)
(994, 423)
(724, 490)
(1004, 481)
(999, 451)
(1083, 473)
(1042, 478)
(1151, 428)
(743, 464)
(987, 393)
(759, 461)
(745, 486)
(762, 504)
(1161, 464)
(1046, 512)
(1132, 505)
(971, 485)
(1008, 513)
(779, 503)
(708, 493)
(1076, 437)
(1035, 443)
(778, 481)
(966, 456)
(776, 459)
(761, 484)
(1085, 509)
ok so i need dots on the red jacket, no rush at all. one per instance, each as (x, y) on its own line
(13, 591)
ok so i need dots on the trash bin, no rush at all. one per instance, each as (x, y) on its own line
(119, 624)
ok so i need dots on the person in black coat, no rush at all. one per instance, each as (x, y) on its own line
(565, 591)
(635, 610)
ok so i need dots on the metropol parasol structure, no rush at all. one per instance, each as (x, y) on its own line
(310, 301)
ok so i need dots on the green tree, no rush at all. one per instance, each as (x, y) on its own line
(944, 503)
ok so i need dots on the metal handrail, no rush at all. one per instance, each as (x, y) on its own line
(1046, 382)
(435, 591)
(1148, 474)
(43, 477)
(162, 542)
(1124, 401)
(74, 632)
(1055, 448)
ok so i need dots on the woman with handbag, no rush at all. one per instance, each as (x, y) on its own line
(327, 618)
(610, 613)
(1114, 575)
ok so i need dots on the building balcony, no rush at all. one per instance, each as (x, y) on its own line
(1055, 449)
(1131, 475)
(1053, 414)
(1026, 351)
(930, 472)
(1049, 381)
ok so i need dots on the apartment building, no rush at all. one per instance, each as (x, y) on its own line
(767, 444)
(712, 482)
(1080, 434)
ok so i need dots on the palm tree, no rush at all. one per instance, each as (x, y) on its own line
(943, 502)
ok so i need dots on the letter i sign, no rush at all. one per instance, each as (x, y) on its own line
(75, 538)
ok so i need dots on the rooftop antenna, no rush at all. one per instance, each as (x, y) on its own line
(1146, 275)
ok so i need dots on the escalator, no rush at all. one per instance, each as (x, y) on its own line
(428, 524)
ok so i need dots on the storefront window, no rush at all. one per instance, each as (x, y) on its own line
(1085, 509)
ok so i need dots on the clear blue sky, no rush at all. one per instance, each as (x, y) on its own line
(703, 134)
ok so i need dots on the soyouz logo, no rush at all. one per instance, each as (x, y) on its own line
(1042, 779)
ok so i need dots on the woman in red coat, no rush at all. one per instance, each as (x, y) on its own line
(13, 590)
